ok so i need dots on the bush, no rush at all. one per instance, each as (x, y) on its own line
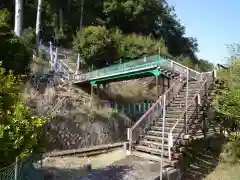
(14, 53)
(19, 129)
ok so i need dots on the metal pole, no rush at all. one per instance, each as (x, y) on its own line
(50, 51)
(55, 60)
(78, 64)
(186, 102)
(157, 87)
(16, 169)
(163, 125)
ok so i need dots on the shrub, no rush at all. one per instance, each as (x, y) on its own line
(19, 129)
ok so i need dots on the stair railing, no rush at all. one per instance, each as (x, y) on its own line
(208, 80)
(156, 111)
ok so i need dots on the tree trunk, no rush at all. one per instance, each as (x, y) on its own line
(81, 17)
(18, 25)
(61, 19)
(38, 25)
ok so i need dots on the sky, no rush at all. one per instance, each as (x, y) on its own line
(214, 23)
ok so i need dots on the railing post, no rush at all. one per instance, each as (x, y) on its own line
(185, 123)
(163, 126)
(206, 92)
(50, 51)
(186, 102)
(198, 101)
(78, 64)
(214, 74)
(129, 133)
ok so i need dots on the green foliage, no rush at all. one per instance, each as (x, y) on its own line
(227, 95)
(14, 53)
(134, 46)
(205, 65)
(99, 46)
(95, 45)
(226, 102)
(153, 18)
(19, 129)
(28, 38)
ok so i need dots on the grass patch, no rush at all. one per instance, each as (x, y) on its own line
(225, 171)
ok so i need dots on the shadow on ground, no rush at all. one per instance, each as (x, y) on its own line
(108, 173)
(202, 157)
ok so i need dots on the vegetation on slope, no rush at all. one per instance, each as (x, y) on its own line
(152, 21)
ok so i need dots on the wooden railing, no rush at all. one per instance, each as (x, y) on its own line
(197, 101)
(156, 111)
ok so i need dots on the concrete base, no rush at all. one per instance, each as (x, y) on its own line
(171, 174)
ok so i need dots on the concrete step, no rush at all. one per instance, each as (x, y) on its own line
(179, 111)
(175, 133)
(158, 145)
(169, 124)
(154, 151)
(159, 139)
(180, 124)
(166, 129)
(159, 133)
(192, 108)
(151, 157)
(179, 115)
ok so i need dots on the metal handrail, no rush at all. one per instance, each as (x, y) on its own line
(170, 138)
(160, 98)
(131, 130)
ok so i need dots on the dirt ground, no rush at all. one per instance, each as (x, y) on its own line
(110, 166)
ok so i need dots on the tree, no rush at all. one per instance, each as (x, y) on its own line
(95, 45)
(18, 26)
(38, 25)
